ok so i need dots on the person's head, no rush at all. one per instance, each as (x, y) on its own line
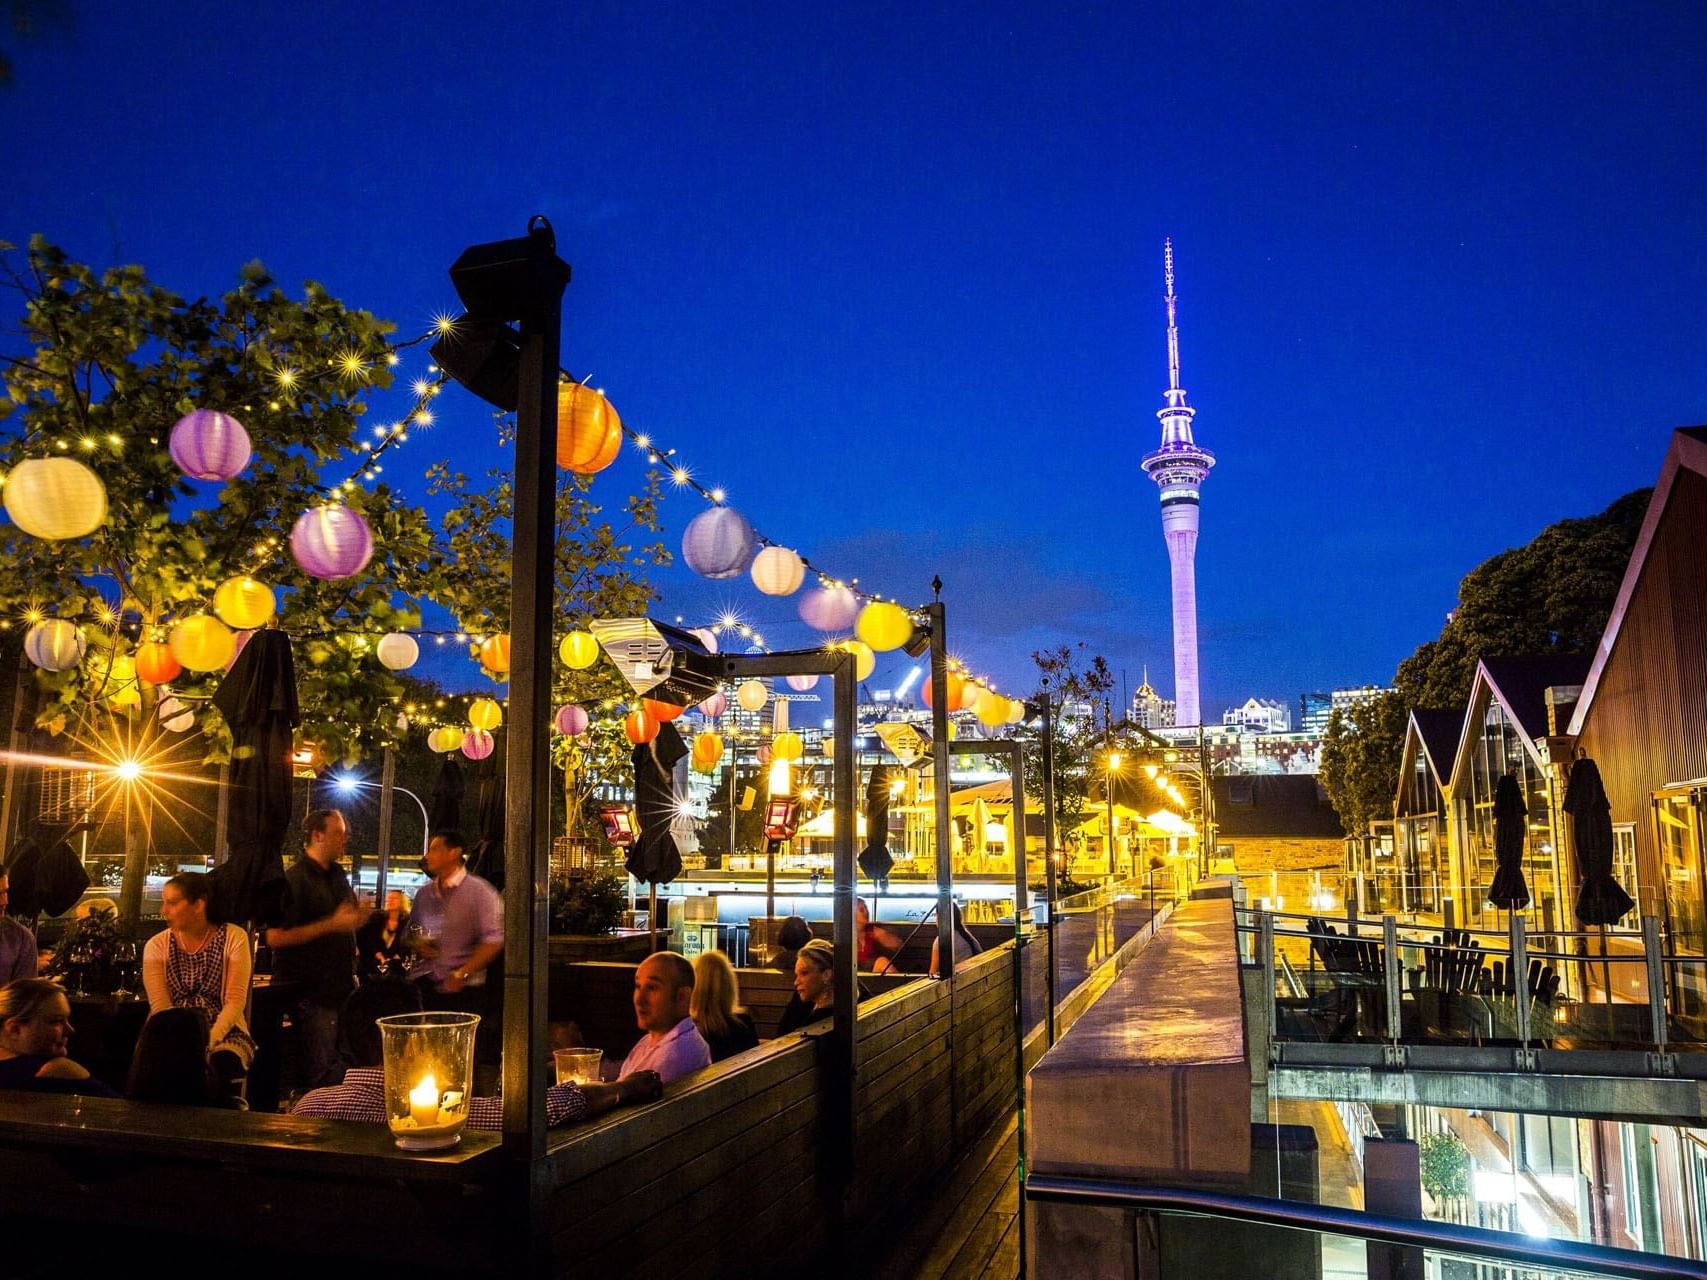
(324, 835)
(814, 972)
(663, 991)
(395, 901)
(35, 1017)
(445, 851)
(170, 1063)
(715, 992)
(794, 934)
(359, 1043)
(862, 916)
(183, 901)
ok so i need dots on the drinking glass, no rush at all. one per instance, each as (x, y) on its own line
(125, 957)
(578, 1066)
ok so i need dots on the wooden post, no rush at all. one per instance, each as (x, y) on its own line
(1049, 854)
(15, 742)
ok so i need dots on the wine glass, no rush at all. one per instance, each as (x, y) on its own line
(78, 958)
(125, 957)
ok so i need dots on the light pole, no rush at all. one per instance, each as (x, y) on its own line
(348, 784)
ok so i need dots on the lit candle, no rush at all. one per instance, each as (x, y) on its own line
(424, 1102)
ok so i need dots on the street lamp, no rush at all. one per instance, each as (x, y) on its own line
(1113, 767)
(347, 784)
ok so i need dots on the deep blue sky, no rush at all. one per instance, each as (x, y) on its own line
(891, 272)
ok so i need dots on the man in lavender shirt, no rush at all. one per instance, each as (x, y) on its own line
(672, 1045)
(462, 921)
(17, 944)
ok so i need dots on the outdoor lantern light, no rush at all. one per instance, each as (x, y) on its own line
(640, 725)
(971, 694)
(578, 650)
(589, 432)
(707, 748)
(121, 685)
(155, 663)
(906, 741)
(865, 661)
(660, 662)
(992, 709)
(209, 445)
(429, 1077)
(331, 542)
(477, 744)
(202, 643)
(55, 498)
(175, 717)
(752, 694)
(495, 654)
(777, 571)
(800, 684)
(1016, 711)
(782, 819)
(398, 651)
(883, 626)
(244, 603)
(444, 739)
(829, 608)
(787, 746)
(662, 712)
(619, 824)
(571, 720)
(719, 543)
(55, 644)
(484, 713)
(715, 705)
(956, 690)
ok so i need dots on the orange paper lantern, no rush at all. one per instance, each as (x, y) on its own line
(589, 432)
(155, 663)
(640, 726)
(663, 712)
(495, 654)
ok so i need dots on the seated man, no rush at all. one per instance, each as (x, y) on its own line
(663, 998)
(362, 1095)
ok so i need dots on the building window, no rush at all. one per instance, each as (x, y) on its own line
(1624, 858)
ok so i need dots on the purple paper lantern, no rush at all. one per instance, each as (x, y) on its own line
(719, 543)
(209, 445)
(477, 744)
(829, 608)
(331, 542)
(800, 684)
(571, 720)
(715, 705)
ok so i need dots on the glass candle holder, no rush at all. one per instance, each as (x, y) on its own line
(429, 1076)
(578, 1066)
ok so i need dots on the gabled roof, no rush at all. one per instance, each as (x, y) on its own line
(1274, 805)
(1687, 452)
(1435, 734)
(1520, 686)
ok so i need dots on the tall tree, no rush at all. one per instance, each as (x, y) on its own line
(1079, 683)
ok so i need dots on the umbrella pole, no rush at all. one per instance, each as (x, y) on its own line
(652, 912)
(1606, 980)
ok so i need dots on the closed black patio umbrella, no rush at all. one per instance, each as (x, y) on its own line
(653, 857)
(486, 854)
(875, 860)
(1601, 899)
(445, 811)
(258, 700)
(1509, 889)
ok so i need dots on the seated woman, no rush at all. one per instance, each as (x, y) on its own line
(814, 987)
(380, 948)
(877, 946)
(794, 934)
(171, 1063)
(194, 964)
(728, 1029)
(964, 943)
(35, 1025)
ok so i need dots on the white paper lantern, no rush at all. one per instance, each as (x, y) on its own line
(829, 608)
(706, 636)
(55, 498)
(752, 694)
(175, 716)
(777, 571)
(718, 543)
(55, 644)
(398, 651)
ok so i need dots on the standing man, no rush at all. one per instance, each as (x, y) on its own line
(17, 944)
(461, 920)
(314, 945)
(663, 996)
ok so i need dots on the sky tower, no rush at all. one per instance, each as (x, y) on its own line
(1178, 468)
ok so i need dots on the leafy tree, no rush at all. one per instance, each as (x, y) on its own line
(1069, 674)
(1360, 760)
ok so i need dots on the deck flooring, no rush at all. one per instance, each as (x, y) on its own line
(971, 1230)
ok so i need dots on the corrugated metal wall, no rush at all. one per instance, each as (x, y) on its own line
(1647, 726)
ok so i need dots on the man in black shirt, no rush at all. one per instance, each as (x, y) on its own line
(314, 948)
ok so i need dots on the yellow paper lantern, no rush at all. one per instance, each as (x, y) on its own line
(122, 688)
(1016, 710)
(883, 626)
(202, 643)
(55, 498)
(751, 695)
(707, 749)
(777, 571)
(579, 650)
(992, 709)
(828, 747)
(445, 738)
(484, 713)
(787, 746)
(495, 654)
(589, 432)
(865, 661)
(244, 603)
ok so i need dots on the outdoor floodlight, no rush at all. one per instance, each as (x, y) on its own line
(619, 824)
(919, 643)
(485, 356)
(660, 662)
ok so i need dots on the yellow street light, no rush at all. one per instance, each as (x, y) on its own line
(1114, 762)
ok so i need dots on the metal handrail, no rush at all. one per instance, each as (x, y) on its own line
(1445, 1237)
(1373, 923)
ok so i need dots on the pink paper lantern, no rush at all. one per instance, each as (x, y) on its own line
(571, 720)
(209, 445)
(715, 705)
(719, 543)
(239, 640)
(331, 542)
(477, 744)
(800, 684)
(830, 608)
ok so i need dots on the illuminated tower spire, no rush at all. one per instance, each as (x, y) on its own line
(1178, 467)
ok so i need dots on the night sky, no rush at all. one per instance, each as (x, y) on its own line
(891, 273)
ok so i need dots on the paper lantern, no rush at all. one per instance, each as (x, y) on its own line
(484, 713)
(209, 445)
(579, 650)
(640, 726)
(120, 685)
(589, 432)
(956, 690)
(777, 571)
(715, 705)
(752, 694)
(787, 746)
(702, 766)
(829, 608)
(706, 636)
(865, 661)
(764, 754)
(331, 542)
(55, 644)
(992, 709)
(970, 696)
(155, 663)
(1016, 711)
(827, 747)
(662, 712)
(444, 738)
(719, 543)
(495, 654)
(571, 721)
(883, 626)
(55, 498)
(477, 744)
(175, 717)
(239, 642)
(202, 643)
(707, 748)
(397, 651)
(244, 603)
(800, 684)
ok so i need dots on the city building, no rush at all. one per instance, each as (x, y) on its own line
(1420, 818)
(1179, 467)
(1149, 709)
(1313, 712)
(1345, 699)
(1259, 715)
